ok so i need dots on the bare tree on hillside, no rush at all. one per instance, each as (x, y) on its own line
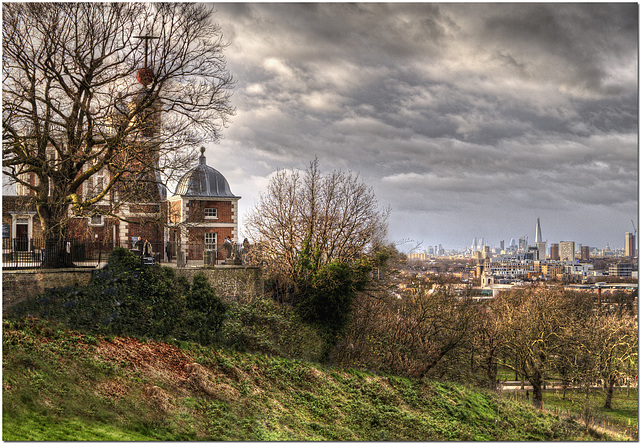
(335, 215)
(106, 91)
(607, 348)
(411, 335)
(533, 327)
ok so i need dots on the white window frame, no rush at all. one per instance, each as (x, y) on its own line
(100, 223)
(213, 216)
(208, 244)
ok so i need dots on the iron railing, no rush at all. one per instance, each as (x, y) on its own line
(23, 253)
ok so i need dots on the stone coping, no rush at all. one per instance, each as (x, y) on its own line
(46, 270)
(170, 265)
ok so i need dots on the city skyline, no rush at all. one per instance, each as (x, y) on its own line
(468, 120)
(544, 239)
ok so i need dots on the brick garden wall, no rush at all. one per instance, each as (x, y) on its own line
(232, 283)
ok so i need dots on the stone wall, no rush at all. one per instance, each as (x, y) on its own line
(232, 283)
(20, 285)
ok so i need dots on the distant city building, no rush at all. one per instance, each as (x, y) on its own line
(584, 253)
(501, 245)
(621, 270)
(551, 270)
(578, 272)
(567, 251)
(538, 232)
(542, 250)
(511, 269)
(522, 244)
(629, 245)
(417, 256)
(554, 252)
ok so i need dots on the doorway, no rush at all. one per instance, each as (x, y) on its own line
(22, 237)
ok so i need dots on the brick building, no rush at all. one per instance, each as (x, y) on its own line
(202, 213)
(198, 217)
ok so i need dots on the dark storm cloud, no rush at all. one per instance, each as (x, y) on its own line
(577, 37)
(479, 110)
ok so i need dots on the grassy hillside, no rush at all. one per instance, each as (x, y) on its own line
(62, 385)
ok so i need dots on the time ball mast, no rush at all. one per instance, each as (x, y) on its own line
(149, 116)
(145, 75)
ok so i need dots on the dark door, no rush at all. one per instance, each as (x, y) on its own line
(22, 238)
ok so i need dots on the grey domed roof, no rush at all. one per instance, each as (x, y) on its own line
(203, 181)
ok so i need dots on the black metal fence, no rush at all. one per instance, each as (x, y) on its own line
(22, 253)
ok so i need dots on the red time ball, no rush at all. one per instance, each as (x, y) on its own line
(145, 76)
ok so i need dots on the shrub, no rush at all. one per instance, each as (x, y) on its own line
(326, 296)
(270, 328)
(127, 298)
(204, 313)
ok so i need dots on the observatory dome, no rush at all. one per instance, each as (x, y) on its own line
(203, 181)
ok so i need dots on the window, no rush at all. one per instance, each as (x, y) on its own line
(94, 185)
(210, 213)
(22, 189)
(210, 240)
(96, 220)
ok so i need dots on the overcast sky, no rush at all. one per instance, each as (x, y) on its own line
(468, 120)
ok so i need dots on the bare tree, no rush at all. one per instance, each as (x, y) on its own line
(607, 348)
(411, 335)
(532, 324)
(335, 216)
(114, 91)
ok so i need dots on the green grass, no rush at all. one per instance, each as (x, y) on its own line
(623, 415)
(63, 385)
(39, 427)
(624, 408)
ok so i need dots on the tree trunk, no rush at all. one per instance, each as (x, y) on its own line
(492, 372)
(53, 219)
(609, 391)
(57, 254)
(536, 385)
(537, 395)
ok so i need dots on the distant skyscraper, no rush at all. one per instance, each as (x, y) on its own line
(501, 245)
(522, 244)
(584, 253)
(629, 245)
(554, 252)
(542, 250)
(567, 251)
(538, 232)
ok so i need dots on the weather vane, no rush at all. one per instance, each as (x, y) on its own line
(145, 75)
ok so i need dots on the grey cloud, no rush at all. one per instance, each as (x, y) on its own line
(479, 110)
(580, 39)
